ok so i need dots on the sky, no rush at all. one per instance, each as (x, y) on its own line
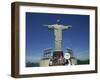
(39, 37)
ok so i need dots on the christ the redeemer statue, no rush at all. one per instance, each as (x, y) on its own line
(58, 28)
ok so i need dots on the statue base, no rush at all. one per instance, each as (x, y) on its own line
(58, 58)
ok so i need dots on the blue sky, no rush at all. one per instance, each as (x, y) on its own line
(39, 37)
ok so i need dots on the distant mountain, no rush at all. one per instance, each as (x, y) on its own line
(32, 64)
(81, 62)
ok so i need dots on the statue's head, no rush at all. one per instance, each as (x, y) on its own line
(58, 21)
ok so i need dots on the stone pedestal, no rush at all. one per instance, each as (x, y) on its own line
(44, 62)
(57, 54)
(58, 58)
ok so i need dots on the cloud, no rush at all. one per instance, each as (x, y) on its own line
(33, 58)
(83, 55)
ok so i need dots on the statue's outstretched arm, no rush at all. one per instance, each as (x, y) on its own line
(49, 26)
(66, 27)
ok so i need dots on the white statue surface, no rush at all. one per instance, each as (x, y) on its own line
(58, 28)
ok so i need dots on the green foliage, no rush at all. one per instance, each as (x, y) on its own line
(80, 62)
(31, 64)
